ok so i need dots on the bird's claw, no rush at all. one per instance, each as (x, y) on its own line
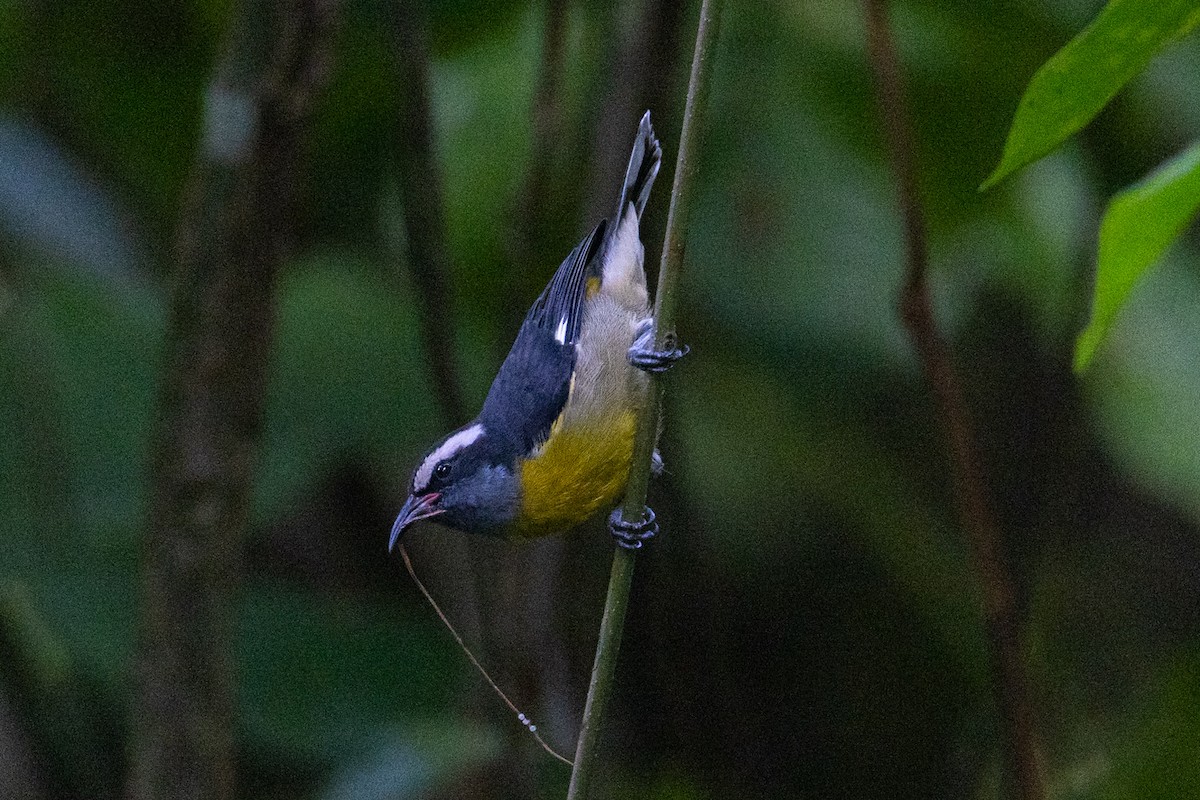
(643, 355)
(631, 535)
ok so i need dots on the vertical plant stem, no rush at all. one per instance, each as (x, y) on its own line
(234, 232)
(1009, 680)
(674, 244)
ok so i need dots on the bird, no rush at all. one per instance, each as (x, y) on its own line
(553, 442)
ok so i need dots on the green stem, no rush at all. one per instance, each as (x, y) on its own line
(674, 244)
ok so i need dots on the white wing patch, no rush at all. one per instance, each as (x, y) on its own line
(560, 333)
(447, 449)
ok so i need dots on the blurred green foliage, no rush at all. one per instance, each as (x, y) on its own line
(1066, 93)
(1071, 88)
(1139, 224)
(807, 625)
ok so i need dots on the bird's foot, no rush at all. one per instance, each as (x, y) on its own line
(643, 355)
(631, 535)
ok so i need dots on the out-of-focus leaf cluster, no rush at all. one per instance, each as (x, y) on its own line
(808, 622)
(1067, 92)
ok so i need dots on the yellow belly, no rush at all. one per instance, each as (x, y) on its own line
(577, 472)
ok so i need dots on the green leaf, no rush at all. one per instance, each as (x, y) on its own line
(1139, 225)
(1080, 79)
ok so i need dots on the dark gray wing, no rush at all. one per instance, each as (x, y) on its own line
(533, 383)
(559, 309)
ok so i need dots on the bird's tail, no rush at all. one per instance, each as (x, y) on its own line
(619, 268)
(644, 162)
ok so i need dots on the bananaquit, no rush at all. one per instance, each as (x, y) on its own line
(554, 441)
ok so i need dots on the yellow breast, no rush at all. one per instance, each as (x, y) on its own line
(577, 472)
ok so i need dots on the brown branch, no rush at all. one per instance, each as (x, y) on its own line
(424, 218)
(1010, 682)
(233, 235)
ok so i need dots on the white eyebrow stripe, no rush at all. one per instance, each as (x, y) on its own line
(464, 438)
(560, 334)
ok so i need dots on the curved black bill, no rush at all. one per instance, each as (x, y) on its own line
(416, 507)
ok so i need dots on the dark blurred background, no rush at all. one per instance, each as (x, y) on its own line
(808, 624)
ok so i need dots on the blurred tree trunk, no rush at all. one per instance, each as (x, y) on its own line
(421, 195)
(233, 234)
(20, 774)
(645, 74)
(539, 211)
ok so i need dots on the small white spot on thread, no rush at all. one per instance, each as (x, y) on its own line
(522, 718)
(533, 728)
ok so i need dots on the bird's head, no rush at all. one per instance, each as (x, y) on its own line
(465, 482)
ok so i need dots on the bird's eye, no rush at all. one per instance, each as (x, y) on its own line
(442, 471)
